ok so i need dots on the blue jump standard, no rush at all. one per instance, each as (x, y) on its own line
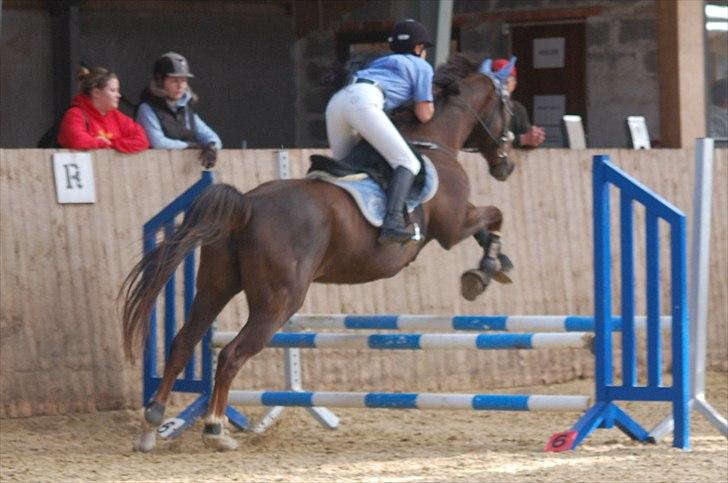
(605, 413)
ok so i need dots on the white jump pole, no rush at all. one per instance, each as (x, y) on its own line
(698, 291)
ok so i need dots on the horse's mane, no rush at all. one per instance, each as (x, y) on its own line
(445, 83)
(448, 75)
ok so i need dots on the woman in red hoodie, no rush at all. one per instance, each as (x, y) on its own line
(93, 120)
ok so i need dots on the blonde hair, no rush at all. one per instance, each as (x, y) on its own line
(96, 78)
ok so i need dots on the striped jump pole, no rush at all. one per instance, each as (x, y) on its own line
(480, 323)
(381, 400)
(302, 340)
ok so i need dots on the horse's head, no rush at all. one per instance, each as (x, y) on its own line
(483, 95)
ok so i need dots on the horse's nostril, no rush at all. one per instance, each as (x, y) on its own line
(502, 170)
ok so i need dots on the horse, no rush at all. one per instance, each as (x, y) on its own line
(257, 243)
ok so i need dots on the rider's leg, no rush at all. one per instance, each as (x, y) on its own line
(341, 135)
(394, 227)
(373, 125)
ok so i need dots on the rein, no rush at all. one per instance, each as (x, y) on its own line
(505, 133)
(430, 145)
(499, 141)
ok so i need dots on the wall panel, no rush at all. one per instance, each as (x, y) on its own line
(61, 267)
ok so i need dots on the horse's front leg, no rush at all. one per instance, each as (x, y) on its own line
(486, 223)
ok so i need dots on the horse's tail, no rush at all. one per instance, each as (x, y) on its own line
(220, 211)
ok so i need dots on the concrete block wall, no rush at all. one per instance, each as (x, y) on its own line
(621, 77)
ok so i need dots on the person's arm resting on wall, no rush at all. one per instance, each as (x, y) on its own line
(150, 122)
(205, 135)
(132, 138)
(73, 132)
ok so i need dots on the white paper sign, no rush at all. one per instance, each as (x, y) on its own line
(547, 113)
(574, 132)
(74, 174)
(638, 131)
(548, 53)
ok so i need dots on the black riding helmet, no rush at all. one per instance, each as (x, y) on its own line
(172, 64)
(406, 35)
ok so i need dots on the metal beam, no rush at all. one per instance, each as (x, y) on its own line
(66, 56)
(442, 33)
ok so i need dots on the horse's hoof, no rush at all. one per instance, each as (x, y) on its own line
(215, 436)
(146, 442)
(154, 413)
(473, 283)
(505, 266)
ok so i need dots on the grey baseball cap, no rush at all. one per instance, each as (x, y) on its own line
(172, 64)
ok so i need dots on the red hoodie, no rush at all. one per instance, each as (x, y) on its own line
(83, 123)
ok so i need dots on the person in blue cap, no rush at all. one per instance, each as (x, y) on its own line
(359, 111)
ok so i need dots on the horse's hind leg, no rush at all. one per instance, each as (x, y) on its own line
(217, 283)
(269, 310)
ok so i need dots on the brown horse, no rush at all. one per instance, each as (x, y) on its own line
(274, 241)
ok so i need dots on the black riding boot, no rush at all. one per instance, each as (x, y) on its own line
(395, 228)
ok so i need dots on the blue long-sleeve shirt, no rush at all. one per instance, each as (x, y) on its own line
(157, 140)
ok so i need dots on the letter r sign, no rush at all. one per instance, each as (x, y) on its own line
(74, 174)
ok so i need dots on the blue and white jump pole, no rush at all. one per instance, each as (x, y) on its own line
(479, 323)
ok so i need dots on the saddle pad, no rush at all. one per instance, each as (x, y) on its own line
(371, 198)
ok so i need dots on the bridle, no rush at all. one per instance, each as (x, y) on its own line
(500, 141)
(505, 107)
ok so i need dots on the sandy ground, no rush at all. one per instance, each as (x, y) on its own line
(372, 445)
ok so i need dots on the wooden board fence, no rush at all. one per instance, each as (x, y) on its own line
(61, 267)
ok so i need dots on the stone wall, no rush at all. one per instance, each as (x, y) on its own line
(621, 65)
(243, 67)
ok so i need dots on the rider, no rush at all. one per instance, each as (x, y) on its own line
(358, 110)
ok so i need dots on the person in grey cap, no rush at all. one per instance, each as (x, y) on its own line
(166, 111)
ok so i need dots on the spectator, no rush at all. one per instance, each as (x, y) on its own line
(526, 135)
(94, 122)
(358, 111)
(166, 111)
(718, 109)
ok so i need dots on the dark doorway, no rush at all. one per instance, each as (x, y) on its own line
(551, 71)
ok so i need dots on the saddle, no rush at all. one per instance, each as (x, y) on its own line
(364, 159)
(365, 174)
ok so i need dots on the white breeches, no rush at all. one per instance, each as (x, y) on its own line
(356, 112)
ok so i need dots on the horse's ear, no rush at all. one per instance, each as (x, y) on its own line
(485, 66)
(505, 71)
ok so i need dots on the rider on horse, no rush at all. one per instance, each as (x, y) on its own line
(358, 111)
